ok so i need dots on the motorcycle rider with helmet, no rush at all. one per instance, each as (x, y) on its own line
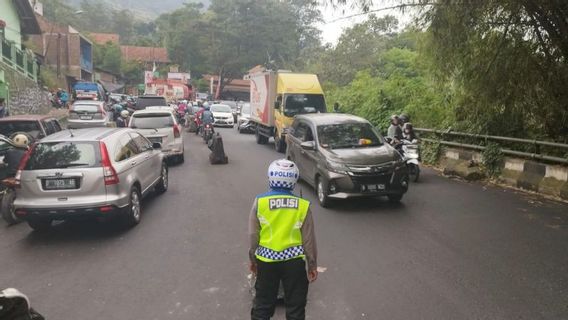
(206, 116)
(122, 121)
(408, 132)
(13, 156)
(282, 241)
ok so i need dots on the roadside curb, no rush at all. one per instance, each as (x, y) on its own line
(546, 179)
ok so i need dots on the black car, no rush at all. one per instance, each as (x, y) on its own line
(343, 156)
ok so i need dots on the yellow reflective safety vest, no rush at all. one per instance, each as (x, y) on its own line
(281, 217)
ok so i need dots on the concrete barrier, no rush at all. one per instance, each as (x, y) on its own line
(523, 174)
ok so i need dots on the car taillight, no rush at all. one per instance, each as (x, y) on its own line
(109, 173)
(73, 115)
(21, 166)
(176, 131)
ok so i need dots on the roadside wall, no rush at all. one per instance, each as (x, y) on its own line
(25, 96)
(518, 173)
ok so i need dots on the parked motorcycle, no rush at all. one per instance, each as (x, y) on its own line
(10, 154)
(7, 197)
(411, 152)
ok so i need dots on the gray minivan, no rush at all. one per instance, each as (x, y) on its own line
(94, 172)
(343, 156)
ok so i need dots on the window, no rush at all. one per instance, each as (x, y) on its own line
(56, 125)
(303, 132)
(142, 143)
(126, 148)
(303, 103)
(59, 155)
(348, 135)
(49, 128)
(152, 120)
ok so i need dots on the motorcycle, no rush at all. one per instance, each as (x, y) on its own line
(7, 197)
(411, 152)
(208, 132)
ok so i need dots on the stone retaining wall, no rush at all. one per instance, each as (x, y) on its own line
(519, 173)
(26, 97)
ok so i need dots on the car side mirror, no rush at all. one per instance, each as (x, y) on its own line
(308, 145)
(156, 146)
(276, 104)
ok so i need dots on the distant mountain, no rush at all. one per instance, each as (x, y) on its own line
(151, 8)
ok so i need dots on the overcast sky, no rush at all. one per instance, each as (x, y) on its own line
(332, 30)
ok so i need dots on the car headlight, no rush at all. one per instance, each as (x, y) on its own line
(337, 167)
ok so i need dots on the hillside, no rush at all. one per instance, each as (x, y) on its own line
(150, 8)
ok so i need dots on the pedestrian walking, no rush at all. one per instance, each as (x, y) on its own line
(282, 240)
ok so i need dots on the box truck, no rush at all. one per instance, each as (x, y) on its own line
(276, 97)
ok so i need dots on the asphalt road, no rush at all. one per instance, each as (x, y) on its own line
(451, 250)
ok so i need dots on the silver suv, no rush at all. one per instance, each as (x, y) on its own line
(95, 172)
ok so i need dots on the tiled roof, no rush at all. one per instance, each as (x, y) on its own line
(103, 38)
(146, 54)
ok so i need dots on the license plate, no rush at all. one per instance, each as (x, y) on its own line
(374, 187)
(154, 140)
(57, 184)
(86, 118)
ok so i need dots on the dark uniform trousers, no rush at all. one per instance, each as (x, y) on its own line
(293, 275)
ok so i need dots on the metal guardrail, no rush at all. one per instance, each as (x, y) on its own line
(536, 155)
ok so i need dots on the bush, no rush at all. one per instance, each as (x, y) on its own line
(493, 159)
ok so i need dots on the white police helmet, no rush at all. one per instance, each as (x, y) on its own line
(124, 113)
(283, 173)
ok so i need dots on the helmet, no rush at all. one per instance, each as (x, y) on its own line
(21, 140)
(394, 118)
(404, 118)
(124, 113)
(283, 173)
(407, 126)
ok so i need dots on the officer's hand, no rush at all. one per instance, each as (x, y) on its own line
(252, 267)
(312, 275)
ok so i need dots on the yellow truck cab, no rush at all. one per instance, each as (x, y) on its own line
(278, 96)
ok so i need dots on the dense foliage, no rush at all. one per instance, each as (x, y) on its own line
(484, 66)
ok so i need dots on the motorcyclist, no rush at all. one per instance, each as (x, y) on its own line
(408, 133)
(206, 116)
(116, 109)
(122, 121)
(394, 132)
(403, 118)
(13, 156)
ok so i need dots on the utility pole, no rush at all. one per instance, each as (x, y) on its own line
(58, 55)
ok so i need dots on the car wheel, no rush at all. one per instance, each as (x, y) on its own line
(40, 224)
(163, 184)
(7, 207)
(134, 210)
(322, 193)
(395, 198)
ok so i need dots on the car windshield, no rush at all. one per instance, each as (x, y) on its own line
(144, 102)
(348, 135)
(60, 155)
(246, 109)
(90, 108)
(30, 127)
(303, 103)
(152, 121)
(221, 108)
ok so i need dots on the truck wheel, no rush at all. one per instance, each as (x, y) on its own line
(279, 144)
(260, 139)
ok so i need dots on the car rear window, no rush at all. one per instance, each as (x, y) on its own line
(8, 128)
(90, 108)
(144, 102)
(60, 155)
(152, 121)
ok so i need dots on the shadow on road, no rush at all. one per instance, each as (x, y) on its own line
(86, 230)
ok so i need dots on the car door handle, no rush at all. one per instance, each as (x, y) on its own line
(133, 163)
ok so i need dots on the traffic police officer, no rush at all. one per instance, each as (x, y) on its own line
(282, 241)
